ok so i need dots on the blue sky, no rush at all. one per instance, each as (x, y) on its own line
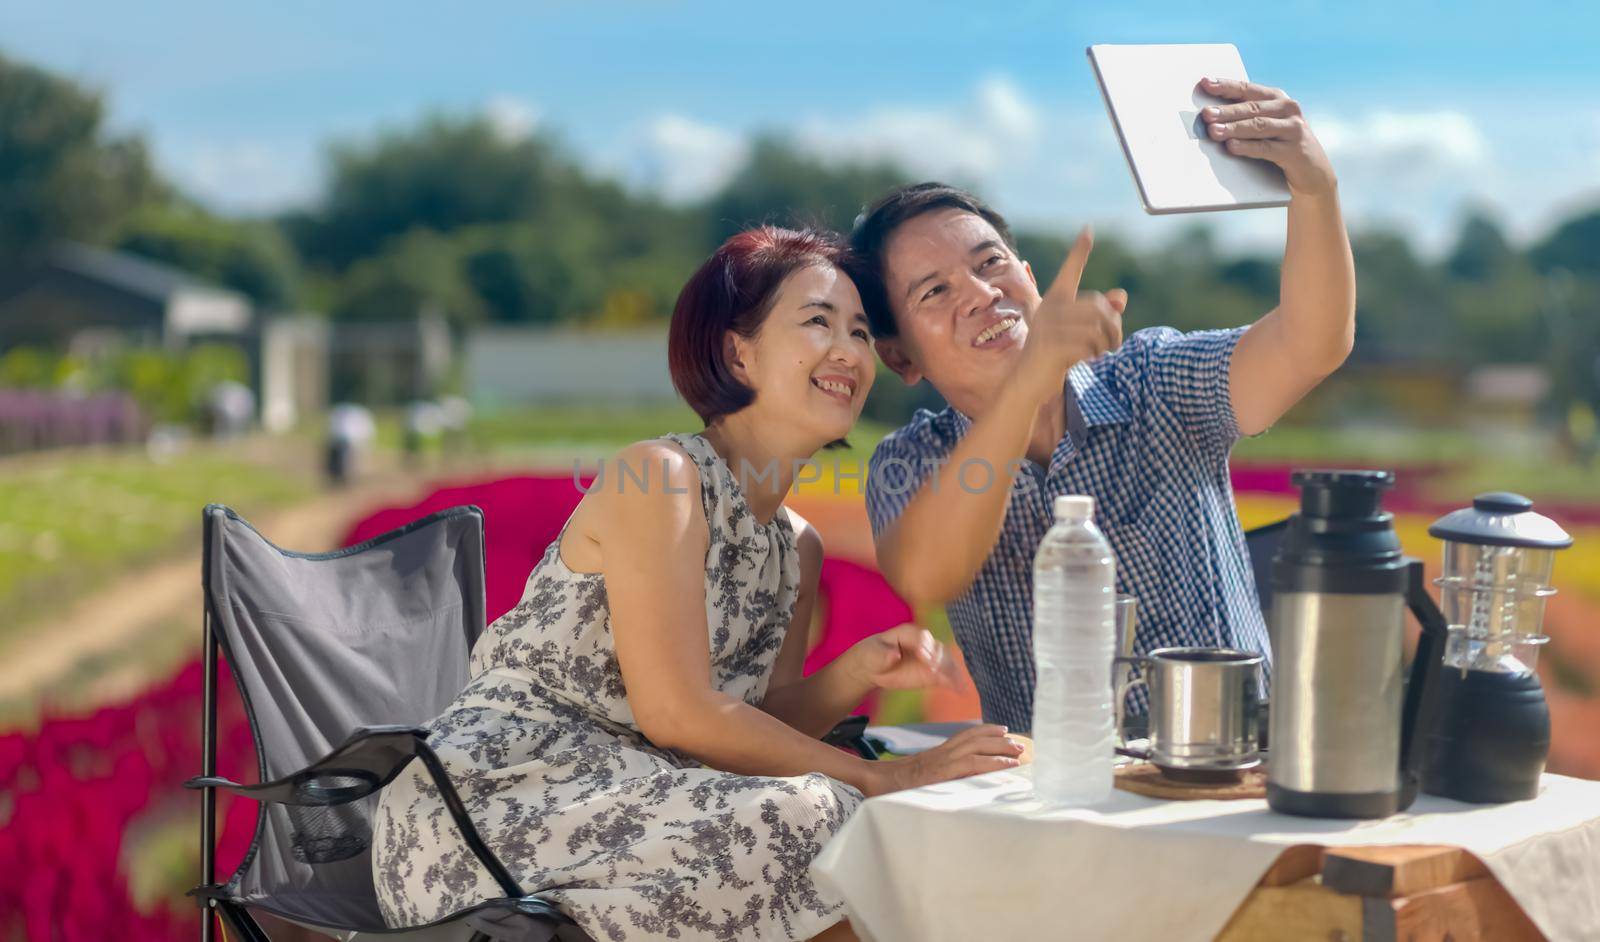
(1424, 109)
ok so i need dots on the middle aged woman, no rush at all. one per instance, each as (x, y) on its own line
(637, 744)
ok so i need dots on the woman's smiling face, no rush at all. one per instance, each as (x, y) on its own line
(811, 363)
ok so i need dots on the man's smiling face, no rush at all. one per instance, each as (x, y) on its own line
(962, 302)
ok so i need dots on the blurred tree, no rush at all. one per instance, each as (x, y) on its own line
(1182, 285)
(27, 368)
(446, 174)
(64, 176)
(1194, 248)
(1111, 264)
(171, 385)
(1481, 252)
(1574, 246)
(421, 270)
(1568, 305)
(778, 184)
(624, 308)
(530, 275)
(1257, 277)
(1493, 296)
(524, 235)
(1402, 310)
(249, 256)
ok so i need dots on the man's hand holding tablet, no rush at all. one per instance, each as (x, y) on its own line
(1265, 123)
(1167, 103)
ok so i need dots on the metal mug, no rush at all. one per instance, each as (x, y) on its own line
(1204, 708)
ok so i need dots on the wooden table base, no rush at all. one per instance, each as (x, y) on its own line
(1379, 894)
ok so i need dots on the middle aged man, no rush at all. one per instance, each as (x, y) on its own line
(1045, 399)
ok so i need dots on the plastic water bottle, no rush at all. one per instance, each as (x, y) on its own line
(1074, 640)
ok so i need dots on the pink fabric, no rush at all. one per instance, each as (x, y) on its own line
(522, 515)
(857, 603)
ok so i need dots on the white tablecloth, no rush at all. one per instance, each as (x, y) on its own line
(980, 858)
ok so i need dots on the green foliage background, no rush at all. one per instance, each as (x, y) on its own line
(450, 215)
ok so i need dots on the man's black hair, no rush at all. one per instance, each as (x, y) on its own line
(873, 228)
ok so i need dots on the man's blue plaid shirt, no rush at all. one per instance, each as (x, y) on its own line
(1149, 429)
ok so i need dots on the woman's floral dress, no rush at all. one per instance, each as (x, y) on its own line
(631, 840)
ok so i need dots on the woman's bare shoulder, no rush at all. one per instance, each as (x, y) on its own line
(649, 488)
(807, 540)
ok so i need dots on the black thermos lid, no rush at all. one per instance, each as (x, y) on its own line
(1341, 540)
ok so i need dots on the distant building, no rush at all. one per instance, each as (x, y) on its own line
(292, 370)
(509, 365)
(389, 363)
(87, 301)
(76, 297)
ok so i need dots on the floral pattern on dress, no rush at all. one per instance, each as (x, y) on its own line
(631, 840)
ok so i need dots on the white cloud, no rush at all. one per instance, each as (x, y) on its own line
(684, 159)
(994, 130)
(1051, 167)
(1411, 171)
(243, 175)
(512, 118)
(1422, 140)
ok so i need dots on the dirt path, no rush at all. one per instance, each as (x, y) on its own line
(114, 635)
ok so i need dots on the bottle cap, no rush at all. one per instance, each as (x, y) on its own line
(1074, 507)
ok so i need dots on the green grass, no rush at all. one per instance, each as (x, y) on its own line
(559, 434)
(1554, 479)
(579, 423)
(1383, 443)
(1527, 463)
(554, 427)
(71, 521)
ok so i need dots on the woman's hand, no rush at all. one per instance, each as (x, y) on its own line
(903, 658)
(972, 751)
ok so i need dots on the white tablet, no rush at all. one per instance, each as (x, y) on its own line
(1154, 98)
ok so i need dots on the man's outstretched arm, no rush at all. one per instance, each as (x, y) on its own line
(933, 550)
(1291, 349)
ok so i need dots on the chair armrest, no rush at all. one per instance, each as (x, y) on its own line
(851, 734)
(368, 759)
(364, 763)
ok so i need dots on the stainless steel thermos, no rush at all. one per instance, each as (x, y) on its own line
(1343, 722)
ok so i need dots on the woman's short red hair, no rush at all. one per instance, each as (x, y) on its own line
(734, 290)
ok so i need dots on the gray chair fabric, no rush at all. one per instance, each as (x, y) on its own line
(340, 657)
(321, 644)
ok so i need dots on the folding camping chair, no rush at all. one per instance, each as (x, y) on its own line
(337, 656)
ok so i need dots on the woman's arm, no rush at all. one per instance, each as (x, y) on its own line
(812, 705)
(653, 546)
(903, 657)
(653, 549)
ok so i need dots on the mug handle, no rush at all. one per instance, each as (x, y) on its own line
(1257, 727)
(1120, 702)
